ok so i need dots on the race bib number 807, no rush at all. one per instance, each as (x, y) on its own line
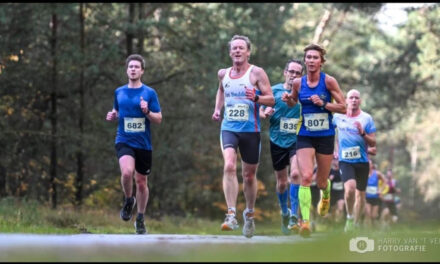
(133, 124)
(316, 121)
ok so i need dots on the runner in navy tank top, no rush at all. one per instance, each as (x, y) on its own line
(319, 95)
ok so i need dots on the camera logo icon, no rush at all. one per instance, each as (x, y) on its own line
(361, 244)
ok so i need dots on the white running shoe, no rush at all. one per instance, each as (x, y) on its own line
(249, 225)
(230, 222)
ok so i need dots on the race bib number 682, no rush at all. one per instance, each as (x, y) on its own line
(133, 124)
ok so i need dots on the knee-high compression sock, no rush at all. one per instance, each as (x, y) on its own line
(282, 198)
(294, 188)
(305, 200)
(326, 191)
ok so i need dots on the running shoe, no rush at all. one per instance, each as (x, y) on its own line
(140, 226)
(126, 210)
(230, 222)
(249, 225)
(349, 225)
(323, 206)
(293, 224)
(304, 231)
(285, 223)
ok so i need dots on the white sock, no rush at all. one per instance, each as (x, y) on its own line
(249, 210)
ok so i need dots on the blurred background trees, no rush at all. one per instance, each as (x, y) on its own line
(60, 64)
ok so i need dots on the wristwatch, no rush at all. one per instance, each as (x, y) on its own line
(323, 106)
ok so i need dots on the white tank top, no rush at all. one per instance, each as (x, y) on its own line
(241, 114)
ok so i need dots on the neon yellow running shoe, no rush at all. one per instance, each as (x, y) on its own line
(323, 206)
(304, 231)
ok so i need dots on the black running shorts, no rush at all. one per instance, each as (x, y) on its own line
(142, 157)
(281, 156)
(322, 145)
(357, 171)
(248, 142)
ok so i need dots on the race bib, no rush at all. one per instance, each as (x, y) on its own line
(338, 186)
(316, 121)
(288, 125)
(388, 197)
(134, 124)
(237, 112)
(372, 189)
(351, 153)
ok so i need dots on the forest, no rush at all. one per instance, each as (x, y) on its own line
(61, 62)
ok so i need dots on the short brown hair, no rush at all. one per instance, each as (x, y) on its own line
(246, 39)
(136, 57)
(316, 47)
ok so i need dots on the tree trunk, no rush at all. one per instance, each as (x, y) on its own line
(413, 181)
(129, 32)
(141, 31)
(321, 26)
(79, 154)
(2, 181)
(53, 116)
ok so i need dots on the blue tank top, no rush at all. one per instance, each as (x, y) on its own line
(284, 121)
(241, 114)
(373, 185)
(352, 146)
(314, 121)
(133, 125)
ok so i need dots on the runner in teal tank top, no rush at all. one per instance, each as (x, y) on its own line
(283, 122)
(319, 95)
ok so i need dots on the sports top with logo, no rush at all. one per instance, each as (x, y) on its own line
(284, 121)
(314, 121)
(133, 125)
(352, 146)
(241, 114)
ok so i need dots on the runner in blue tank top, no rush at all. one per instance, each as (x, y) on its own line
(135, 107)
(319, 95)
(356, 133)
(283, 122)
(242, 88)
(373, 196)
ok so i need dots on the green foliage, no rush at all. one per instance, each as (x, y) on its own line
(185, 44)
